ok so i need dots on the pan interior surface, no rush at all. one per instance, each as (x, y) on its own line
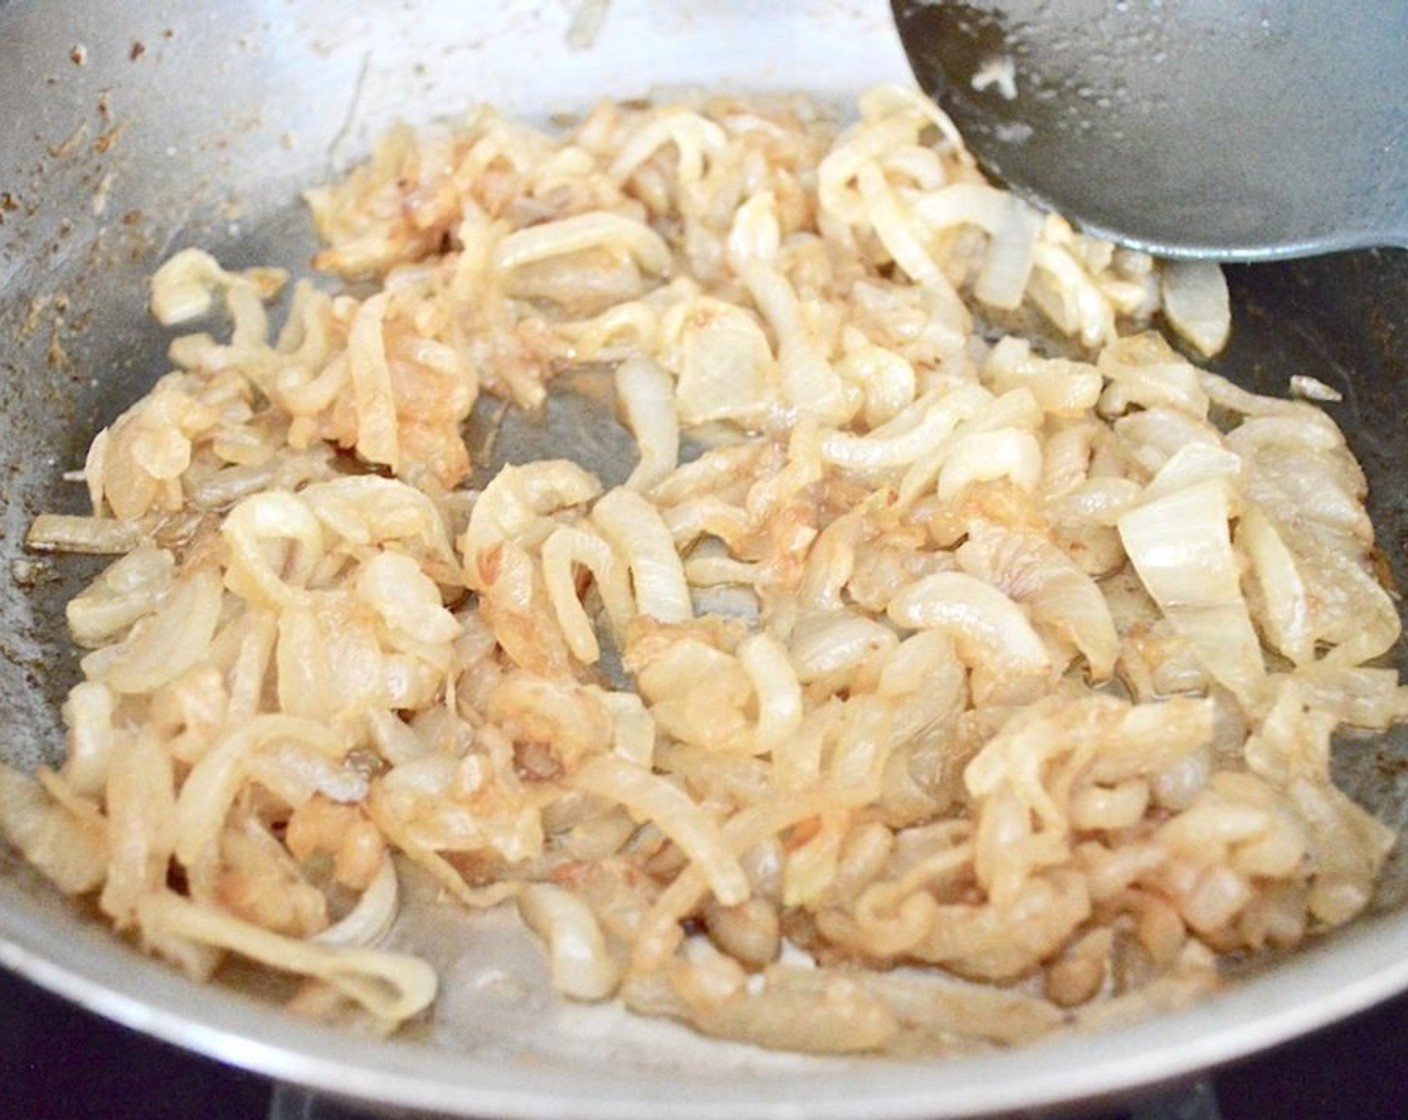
(147, 129)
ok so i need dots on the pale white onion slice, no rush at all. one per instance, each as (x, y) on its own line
(167, 643)
(1181, 546)
(1197, 304)
(184, 287)
(1284, 605)
(1012, 224)
(71, 851)
(254, 529)
(633, 727)
(635, 530)
(394, 585)
(100, 536)
(1061, 387)
(129, 588)
(776, 688)
(837, 641)
(213, 782)
(695, 137)
(569, 546)
(369, 509)
(647, 399)
(651, 797)
(755, 234)
(886, 378)
(1009, 453)
(583, 231)
(391, 986)
(88, 715)
(809, 383)
(582, 967)
(725, 365)
(369, 921)
(990, 632)
(1034, 572)
(514, 505)
(1145, 370)
(910, 435)
(378, 437)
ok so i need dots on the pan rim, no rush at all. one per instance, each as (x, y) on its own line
(1339, 976)
(1320, 985)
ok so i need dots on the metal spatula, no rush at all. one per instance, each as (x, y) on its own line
(1231, 129)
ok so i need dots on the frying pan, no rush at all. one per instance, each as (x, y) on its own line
(133, 130)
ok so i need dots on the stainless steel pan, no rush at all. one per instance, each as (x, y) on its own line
(131, 130)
